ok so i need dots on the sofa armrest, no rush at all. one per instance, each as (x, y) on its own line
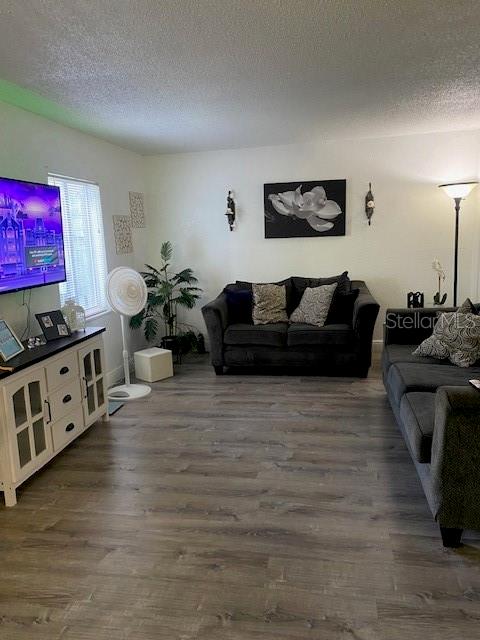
(455, 465)
(365, 312)
(215, 314)
(411, 326)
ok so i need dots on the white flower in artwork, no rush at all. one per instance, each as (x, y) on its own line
(311, 206)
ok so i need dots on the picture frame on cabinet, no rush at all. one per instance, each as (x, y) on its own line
(53, 325)
(10, 345)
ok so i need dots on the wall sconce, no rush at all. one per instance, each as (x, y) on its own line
(369, 203)
(230, 210)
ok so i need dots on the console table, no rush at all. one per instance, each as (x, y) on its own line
(54, 393)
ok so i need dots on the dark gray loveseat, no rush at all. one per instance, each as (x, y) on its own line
(334, 349)
(438, 413)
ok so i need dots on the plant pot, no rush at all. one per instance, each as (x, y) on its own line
(172, 343)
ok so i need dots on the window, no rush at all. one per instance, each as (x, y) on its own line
(85, 259)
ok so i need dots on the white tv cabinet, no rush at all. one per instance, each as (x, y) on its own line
(54, 393)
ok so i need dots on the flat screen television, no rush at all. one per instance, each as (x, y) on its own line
(31, 235)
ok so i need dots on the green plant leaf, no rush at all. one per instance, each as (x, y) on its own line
(186, 275)
(186, 299)
(166, 251)
(137, 320)
(150, 329)
(152, 269)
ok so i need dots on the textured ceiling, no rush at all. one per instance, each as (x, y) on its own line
(176, 75)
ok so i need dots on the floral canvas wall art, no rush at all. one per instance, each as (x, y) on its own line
(137, 209)
(122, 230)
(305, 209)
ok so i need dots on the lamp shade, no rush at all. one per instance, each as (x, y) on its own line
(458, 189)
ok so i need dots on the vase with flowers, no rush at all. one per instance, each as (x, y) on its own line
(438, 298)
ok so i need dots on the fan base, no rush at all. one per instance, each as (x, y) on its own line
(129, 392)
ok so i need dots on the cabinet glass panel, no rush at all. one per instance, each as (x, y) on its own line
(87, 367)
(39, 436)
(97, 357)
(100, 396)
(35, 397)
(19, 407)
(90, 400)
(23, 443)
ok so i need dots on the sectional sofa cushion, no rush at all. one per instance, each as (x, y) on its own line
(417, 411)
(405, 377)
(393, 353)
(314, 305)
(269, 303)
(264, 335)
(307, 335)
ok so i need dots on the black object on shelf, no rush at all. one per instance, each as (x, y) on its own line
(415, 299)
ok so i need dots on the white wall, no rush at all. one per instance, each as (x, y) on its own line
(30, 147)
(412, 225)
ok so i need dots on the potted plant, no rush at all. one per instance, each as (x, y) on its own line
(166, 291)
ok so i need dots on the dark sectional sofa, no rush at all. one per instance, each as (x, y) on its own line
(339, 348)
(438, 413)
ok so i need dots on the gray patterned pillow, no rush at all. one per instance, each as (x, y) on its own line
(467, 307)
(314, 305)
(269, 303)
(456, 336)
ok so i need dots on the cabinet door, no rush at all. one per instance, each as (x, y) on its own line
(92, 371)
(28, 415)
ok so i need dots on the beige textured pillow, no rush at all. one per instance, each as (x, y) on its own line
(269, 303)
(314, 305)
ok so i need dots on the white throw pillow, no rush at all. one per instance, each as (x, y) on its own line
(314, 305)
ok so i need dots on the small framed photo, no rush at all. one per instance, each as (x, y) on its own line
(53, 325)
(10, 345)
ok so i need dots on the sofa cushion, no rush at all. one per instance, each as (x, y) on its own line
(405, 377)
(341, 309)
(271, 335)
(299, 285)
(417, 412)
(308, 335)
(240, 304)
(393, 353)
(314, 305)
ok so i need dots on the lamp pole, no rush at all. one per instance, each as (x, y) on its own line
(457, 191)
(455, 268)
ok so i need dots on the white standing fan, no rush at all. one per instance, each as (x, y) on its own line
(127, 295)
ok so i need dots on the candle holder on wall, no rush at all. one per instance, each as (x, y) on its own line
(231, 210)
(369, 204)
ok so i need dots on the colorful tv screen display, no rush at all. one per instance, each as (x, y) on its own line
(31, 235)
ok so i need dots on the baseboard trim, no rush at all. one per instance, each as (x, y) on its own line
(114, 376)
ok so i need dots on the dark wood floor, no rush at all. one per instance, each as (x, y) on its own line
(235, 508)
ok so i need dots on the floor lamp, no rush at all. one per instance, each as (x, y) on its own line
(458, 191)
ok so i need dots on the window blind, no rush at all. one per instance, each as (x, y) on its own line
(85, 259)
